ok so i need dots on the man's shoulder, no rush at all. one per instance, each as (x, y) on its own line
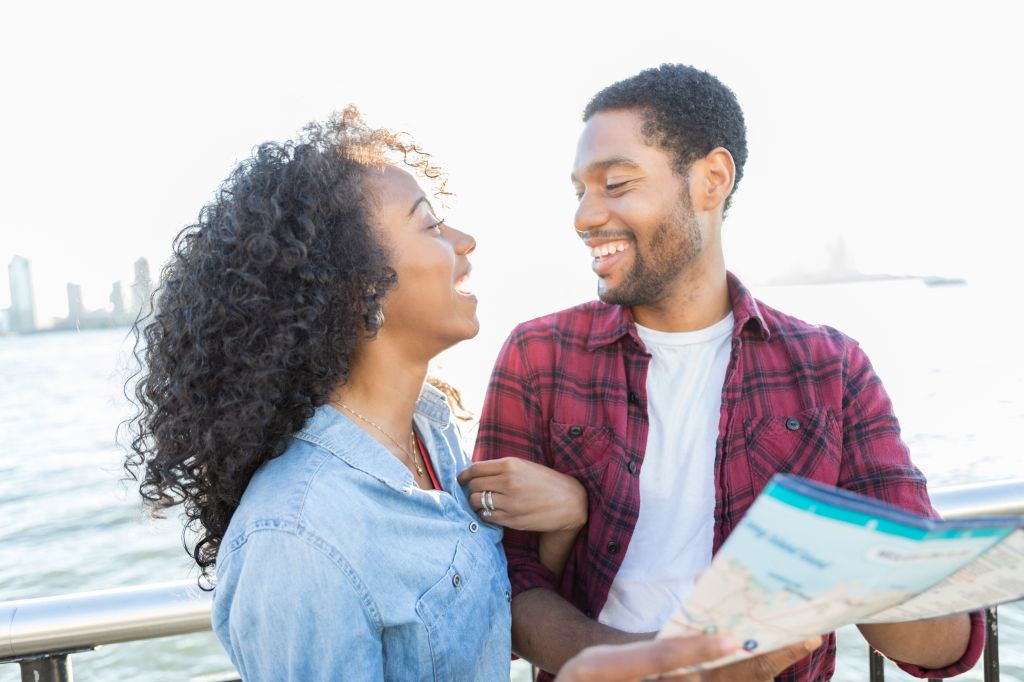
(794, 333)
(575, 323)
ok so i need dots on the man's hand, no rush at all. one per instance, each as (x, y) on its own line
(629, 662)
(526, 495)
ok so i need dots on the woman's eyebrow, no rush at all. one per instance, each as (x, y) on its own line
(415, 204)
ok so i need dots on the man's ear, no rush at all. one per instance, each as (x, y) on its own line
(711, 180)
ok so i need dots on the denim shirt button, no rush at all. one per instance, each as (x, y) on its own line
(456, 580)
(473, 526)
(508, 596)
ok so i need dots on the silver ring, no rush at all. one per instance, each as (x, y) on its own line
(487, 498)
(486, 512)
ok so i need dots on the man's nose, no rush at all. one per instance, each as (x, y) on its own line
(590, 214)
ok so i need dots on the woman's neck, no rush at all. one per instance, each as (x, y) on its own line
(383, 386)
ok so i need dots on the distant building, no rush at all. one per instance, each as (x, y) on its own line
(22, 314)
(76, 311)
(142, 288)
(5, 321)
(117, 301)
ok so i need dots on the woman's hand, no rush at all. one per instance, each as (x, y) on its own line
(525, 495)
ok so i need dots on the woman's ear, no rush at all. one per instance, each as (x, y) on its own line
(711, 180)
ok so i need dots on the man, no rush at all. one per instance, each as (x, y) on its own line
(675, 398)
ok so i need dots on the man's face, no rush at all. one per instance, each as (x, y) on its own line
(635, 213)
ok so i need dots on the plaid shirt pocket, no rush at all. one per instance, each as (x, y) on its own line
(581, 451)
(806, 444)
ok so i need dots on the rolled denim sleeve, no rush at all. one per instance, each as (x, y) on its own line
(288, 607)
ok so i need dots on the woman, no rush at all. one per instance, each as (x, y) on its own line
(284, 405)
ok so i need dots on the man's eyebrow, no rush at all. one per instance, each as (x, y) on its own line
(415, 204)
(605, 164)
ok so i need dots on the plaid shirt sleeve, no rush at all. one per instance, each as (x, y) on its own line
(511, 426)
(877, 463)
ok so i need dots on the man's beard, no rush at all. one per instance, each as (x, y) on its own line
(675, 244)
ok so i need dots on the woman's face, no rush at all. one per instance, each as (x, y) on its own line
(430, 306)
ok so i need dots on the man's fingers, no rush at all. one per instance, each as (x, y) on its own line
(767, 666)
(651, 657)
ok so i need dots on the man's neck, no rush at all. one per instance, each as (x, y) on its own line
(699, 299)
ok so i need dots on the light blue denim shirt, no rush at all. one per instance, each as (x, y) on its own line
(337, 566)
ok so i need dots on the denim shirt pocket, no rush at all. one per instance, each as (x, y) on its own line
(805, 444)
(581, 451)
(464, 613)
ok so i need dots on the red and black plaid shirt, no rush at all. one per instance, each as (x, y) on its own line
(569, 391)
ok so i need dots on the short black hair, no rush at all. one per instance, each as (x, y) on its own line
(687, 112)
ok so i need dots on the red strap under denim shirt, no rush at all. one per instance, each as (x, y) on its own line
(569, 391)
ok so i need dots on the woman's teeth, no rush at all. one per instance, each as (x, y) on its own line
(608, 249)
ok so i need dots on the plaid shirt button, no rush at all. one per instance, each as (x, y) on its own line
(613, 547)
(576, 431)
(793, 424)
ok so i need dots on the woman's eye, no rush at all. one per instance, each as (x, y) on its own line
(437, 226)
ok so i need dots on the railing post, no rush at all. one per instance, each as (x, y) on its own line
(991, 656)
(46, 669)
(876, 665)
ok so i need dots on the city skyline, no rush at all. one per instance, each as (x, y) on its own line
(21, 316)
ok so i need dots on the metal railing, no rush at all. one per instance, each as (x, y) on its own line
(41, 634)
(998, 498)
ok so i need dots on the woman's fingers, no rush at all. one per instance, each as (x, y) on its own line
(627, 662)
(489, 468)
(497, 500)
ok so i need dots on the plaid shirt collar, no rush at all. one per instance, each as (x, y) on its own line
(612, 322)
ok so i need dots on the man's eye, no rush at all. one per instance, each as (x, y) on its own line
(615, 185)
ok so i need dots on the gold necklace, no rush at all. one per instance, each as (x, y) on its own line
(412, 438)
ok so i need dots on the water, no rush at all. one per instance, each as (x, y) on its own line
(70, 523)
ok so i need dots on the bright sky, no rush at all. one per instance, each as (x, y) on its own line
(894, 125)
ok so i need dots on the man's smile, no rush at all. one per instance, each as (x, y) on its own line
(607, 254)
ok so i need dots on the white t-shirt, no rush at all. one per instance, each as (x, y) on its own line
(673, 536)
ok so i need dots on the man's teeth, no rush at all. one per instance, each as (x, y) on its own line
(606, 249)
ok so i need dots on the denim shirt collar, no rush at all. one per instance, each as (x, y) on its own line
(340, 435)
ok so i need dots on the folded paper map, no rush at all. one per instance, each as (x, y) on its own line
(808, 558)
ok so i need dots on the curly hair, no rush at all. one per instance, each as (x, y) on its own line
(259, 312)
(686, 111)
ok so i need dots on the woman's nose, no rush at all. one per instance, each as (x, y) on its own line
(463, 242)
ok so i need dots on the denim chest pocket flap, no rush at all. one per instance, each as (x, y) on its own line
(465, 614)
(806, 444)
(464, 579)
(580, 450)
